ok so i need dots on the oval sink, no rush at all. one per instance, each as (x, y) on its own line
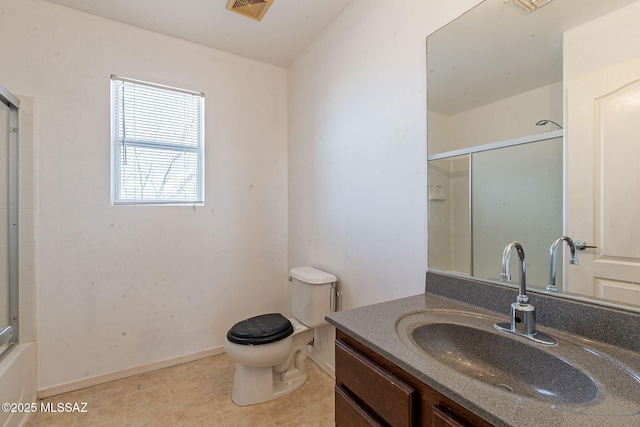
(506, 363)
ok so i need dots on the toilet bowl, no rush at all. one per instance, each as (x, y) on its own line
(270, 350)
(268, 371)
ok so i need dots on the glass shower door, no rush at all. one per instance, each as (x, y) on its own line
(5, 320)
(525, 183)
(9, 106)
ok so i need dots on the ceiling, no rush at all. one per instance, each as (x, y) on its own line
(495, 51)
(286, 29)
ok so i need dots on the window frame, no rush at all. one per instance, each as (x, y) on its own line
(117, 143)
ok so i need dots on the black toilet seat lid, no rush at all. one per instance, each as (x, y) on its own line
(263, 329)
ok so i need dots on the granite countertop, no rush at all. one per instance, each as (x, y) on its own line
(380, 327)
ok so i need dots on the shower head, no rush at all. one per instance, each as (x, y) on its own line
(551, 122)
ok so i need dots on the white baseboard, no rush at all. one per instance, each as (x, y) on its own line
(124, 373)
(321, 363)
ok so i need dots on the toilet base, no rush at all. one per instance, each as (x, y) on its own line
(266, 372)
(253, 385)
(257, 384)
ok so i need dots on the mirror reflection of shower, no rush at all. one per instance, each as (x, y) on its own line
(5, 329)
(9, 105)
(481, 199)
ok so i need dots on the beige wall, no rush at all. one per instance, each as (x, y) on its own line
(114, 292)
(123, 286)
(497, 121)
(357, 154)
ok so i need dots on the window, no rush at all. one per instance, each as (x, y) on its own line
(157, 144)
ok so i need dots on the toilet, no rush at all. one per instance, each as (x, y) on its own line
(270, 350)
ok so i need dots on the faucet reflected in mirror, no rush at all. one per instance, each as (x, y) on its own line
(523, 314)
(551, 287)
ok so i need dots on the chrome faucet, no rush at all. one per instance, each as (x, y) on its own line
(551, 287)
(506, 269)
(523, 314)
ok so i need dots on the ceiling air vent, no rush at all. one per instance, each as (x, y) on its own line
(252, 8)
(527, 5)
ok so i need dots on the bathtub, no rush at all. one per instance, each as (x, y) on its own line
(18, 382)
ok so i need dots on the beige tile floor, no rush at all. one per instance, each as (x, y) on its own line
(192, 394)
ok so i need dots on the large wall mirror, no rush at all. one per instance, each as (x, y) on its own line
(533, 121)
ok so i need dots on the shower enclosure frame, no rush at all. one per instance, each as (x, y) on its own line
(11, 101)
(470, 152)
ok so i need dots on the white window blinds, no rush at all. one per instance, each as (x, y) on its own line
(157, 144)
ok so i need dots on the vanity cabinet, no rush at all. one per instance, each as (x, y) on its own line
(372, 391)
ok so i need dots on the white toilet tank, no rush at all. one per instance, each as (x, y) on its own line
(311, 291)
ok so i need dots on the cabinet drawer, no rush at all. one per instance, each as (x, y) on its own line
(350, 414)
(442, 418)
(385, 394)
